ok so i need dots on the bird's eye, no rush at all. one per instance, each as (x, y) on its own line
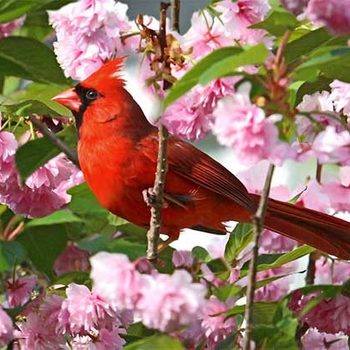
(91, 94)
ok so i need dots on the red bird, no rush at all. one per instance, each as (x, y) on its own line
(117, 152)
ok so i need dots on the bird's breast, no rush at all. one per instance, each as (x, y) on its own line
(117, 175)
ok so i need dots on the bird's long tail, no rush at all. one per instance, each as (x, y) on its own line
(324, 232)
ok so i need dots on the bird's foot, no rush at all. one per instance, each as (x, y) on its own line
(151, 199)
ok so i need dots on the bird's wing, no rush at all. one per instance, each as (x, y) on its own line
(192, 164)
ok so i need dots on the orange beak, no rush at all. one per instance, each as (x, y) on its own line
(69, 99)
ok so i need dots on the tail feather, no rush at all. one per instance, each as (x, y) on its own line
(324, 232)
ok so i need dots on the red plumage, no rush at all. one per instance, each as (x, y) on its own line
(118, 153)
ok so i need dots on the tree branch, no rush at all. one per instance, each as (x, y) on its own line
(56, 141)
(158, 188)
(258, 221)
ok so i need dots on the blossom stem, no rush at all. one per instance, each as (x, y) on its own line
(258, 221)
(158, 188)
(56, 141)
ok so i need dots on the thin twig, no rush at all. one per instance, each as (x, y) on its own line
(175, 15)
(311, 267)
(158, 188)
(258, 221)
(56, 141)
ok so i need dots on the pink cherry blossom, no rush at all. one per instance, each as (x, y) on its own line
(72, 259)
(295, 6)
(319, 101)
(49, 184)
(344, 176)
(191, 116)
(332, 271)
(120, 285)
(33, 333)
(215, 324)
(340, 96)
(243, 126)
(8, 146)
(107, 339)
(169, 302)
(335, 14)
(331, 146)
(6, 328)
(88, 33)
(82, 310)
(182, 258)
(18, 291)
(240, 15)
(331, 315)
(314, 197)
(49, 309)
(205, 34)
(273, 291)
(7, 28)
(315, 340)
(272, 242)
(316, 104)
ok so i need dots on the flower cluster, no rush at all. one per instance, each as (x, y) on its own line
(88, 33)
(335, 14)
(49, 184)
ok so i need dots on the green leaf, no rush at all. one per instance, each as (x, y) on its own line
(113, 245)
(201, 254)
(278, 22)
(333, 64)
(37, 24)
(306, 44)
(251, 55)
(73, 277)
(278, 331)
(240, 237)
(29, 59)
(36, 153)
(12, 9)
(271, 261)
(156, 342)
(28, 107)
(85, 205)
(227, 292)
(42, 93)
(11, 253)
(44, 244)
(191, 78)
(299, 89)
(58, 217)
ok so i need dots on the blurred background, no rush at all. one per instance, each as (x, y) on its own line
(151, 7)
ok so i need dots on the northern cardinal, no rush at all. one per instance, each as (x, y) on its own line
(117, 152)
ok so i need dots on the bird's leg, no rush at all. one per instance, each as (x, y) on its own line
(150, 198)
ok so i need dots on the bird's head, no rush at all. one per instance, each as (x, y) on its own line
(99, 97)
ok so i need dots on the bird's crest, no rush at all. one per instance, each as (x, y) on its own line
(109, 73)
